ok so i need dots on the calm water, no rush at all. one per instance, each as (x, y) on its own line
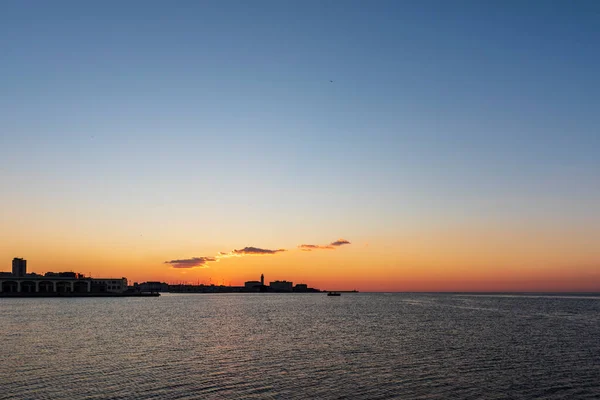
(367, 346)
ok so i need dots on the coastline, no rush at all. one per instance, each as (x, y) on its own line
(63, 295)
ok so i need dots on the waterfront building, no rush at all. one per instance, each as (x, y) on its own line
(301, 287)
(19, 267)
(42, 284)
(281, 286)
(110, 285)
(56, 282)
(152, 286)
(252, 285)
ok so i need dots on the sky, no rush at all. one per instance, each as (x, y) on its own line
(412, 145)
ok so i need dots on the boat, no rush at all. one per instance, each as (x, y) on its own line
(334, 294)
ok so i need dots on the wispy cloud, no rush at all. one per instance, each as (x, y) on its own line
(255, 251)
(194, 262)
(330, 246)
(311, 247)
(201, 262)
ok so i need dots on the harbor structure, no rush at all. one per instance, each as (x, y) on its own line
(19, 281)
(249, 287)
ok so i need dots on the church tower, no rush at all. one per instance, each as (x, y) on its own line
(262, 279)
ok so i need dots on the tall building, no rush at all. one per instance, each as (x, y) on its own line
(262, 279)
(19, 267)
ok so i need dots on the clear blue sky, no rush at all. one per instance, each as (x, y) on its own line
(438, 110)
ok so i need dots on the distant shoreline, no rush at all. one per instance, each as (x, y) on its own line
(65, 295)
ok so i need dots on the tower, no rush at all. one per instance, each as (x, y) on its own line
(19, 267)
(262, 279)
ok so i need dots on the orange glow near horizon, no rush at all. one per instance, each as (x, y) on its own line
(459, 259)
(364, 267)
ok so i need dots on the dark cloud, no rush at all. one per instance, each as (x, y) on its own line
(311, 247)
(255, 250)
(191, 262)
(340, 242)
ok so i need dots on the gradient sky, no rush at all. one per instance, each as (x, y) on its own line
(457, 148)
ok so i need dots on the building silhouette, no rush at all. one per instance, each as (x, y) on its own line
(19, 267)
(281, 286)
(301, 287)
(19, 281)
(253, 286)
(249, 287)
(152, 286)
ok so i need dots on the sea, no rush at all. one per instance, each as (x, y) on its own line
(302, 346)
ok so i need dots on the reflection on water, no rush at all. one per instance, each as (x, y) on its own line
(370, 346)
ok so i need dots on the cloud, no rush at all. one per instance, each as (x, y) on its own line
(201, 262)
(191, 262)
(330, 246)
(255, 251)
(340, 242)
(311, 247)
